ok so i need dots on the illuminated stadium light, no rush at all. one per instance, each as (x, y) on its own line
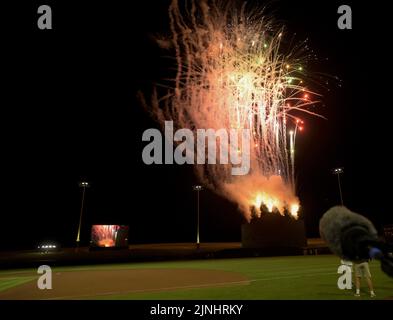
(338, 171)
(47, 247)
(83, 185)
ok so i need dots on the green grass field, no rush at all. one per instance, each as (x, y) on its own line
(299, 277)
(9, 282)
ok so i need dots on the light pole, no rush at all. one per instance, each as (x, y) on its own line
(338, 171)
(292, 140)
(292, 153)
(83, 185)
(197, 188)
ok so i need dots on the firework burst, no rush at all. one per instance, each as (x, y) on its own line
(233, 73)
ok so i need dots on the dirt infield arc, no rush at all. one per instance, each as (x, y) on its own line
(89, 284)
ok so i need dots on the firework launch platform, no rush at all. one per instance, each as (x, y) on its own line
(274, 232)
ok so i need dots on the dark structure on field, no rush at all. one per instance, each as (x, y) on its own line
(274, 232)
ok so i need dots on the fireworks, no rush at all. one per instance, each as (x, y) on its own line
(105, 235)
(234, 72)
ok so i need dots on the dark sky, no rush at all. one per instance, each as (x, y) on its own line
(69, 112)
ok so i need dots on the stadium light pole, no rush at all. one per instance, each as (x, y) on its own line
(197, 188)
(292, 154)
(338, 171)
(292, 145)
(83, 185)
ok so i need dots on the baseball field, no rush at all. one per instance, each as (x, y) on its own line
(296, 277)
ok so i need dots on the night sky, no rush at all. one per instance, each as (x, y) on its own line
(70, 112)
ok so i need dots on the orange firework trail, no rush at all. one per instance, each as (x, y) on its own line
(232, 74)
